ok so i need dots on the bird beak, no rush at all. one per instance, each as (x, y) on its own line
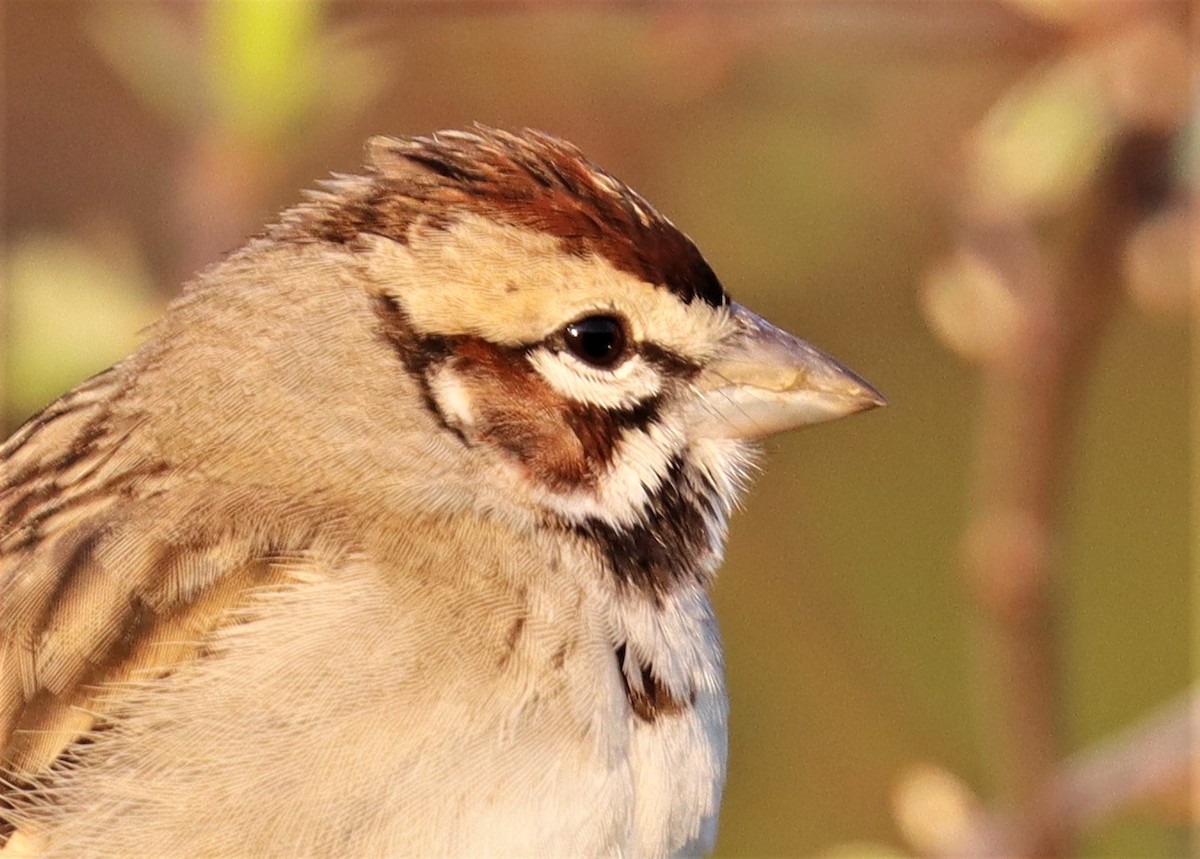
(770, 381)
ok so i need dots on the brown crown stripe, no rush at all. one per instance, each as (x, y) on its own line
(526, 179)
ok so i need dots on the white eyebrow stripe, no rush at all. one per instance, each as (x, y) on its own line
(625, 386)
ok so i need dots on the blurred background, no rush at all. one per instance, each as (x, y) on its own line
(939, 615)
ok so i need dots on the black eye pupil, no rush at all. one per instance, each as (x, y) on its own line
(598, 340)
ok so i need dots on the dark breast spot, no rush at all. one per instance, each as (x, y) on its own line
(511, 639)
(653, 700)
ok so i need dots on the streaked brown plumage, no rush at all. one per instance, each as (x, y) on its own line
(395, 538)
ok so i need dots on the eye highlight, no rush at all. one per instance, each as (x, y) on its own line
(596, 340)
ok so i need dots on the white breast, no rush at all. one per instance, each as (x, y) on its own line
(344, 718)
(678, 760)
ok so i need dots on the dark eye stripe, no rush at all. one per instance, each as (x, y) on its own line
(567, 445)
(564, 443)
(670, 363)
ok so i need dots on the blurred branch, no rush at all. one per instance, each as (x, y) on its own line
(1148, 765)
(1032, 384)
(247, 87)
(1153, 758)
(1064, 170)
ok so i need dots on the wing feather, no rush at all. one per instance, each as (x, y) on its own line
(110, 573)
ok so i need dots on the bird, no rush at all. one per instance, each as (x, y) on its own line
(397, 535)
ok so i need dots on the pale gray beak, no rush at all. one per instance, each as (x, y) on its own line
(770, 381)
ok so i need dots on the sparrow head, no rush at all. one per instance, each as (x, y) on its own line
(554, 331)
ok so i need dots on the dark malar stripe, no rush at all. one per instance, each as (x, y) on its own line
(600, 430)
(670, 543)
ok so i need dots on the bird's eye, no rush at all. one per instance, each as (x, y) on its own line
(598, 340)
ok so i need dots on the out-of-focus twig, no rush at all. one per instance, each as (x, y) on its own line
(1032, 382)
(1043, 229)
(1154, 756)
(247, 87)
